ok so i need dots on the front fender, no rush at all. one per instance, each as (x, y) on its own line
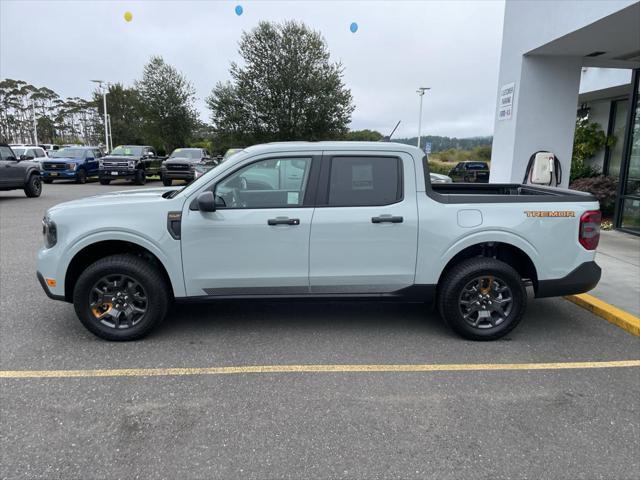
(172, 263)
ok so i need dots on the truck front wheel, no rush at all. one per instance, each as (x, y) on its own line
(121, 297)
(33, 187)
(81, 176)
(140, 177)
(482, 298)
(105, 181)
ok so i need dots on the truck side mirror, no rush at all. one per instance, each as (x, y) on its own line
(206, 202)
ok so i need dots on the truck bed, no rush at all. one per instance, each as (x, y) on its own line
(502, 193)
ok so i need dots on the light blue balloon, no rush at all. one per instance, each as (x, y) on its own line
(239, 10)
(353, 27)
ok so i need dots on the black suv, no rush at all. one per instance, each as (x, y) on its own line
(470, 172)
(186, 164)
(19, 173)
(132, 162)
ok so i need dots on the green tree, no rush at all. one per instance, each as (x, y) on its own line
(167, 100)
(363, 135)
(287, 89)
(125, 109)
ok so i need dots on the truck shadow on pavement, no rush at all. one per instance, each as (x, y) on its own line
(298, 316)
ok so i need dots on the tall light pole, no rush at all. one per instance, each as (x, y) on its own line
(103, 87)
(35, 124)
(420, 93)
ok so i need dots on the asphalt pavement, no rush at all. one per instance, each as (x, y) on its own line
(580, 423)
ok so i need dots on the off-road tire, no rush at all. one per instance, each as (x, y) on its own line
(145, 273)
(167, 182)
(33, 187)
(450, 290)
(105, 181)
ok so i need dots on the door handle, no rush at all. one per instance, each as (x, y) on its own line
(283, 221)
(387, 219)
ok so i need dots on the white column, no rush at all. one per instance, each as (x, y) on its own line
(543, 115)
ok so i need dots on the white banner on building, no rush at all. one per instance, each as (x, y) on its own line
(505, 101)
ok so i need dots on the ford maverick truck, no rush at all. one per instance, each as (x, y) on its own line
(320, 220)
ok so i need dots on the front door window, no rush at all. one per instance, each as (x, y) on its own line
(272, 183)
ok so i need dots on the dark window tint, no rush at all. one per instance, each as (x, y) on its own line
(39, 153)
(363, 181)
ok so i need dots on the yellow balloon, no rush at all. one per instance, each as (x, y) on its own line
(128, 16)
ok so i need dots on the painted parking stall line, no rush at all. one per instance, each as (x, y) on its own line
(258, 369)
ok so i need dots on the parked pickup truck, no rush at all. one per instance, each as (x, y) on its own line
(185, 164)
(320, 220)
(71, 163)
(470, 172)
(131, 162)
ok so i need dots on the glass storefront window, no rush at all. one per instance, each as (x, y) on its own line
(621, 108)
(630, 207)
(631, 214)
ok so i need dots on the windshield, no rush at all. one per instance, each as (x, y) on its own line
(477, 166)
(68, 153)
(127, 151)
(191, 153)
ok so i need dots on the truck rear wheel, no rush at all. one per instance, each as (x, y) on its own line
(33, 187)
(121, 297)
(482, 298)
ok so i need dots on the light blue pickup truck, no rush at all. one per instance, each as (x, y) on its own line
(314, 221)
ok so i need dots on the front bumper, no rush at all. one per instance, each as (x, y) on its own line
(582, 279)
(58, 174)
(120, 173)
(187, 175)
(44, 286)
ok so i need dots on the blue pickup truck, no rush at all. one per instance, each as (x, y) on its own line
(71, 163)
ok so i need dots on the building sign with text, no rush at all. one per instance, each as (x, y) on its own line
(505, 101)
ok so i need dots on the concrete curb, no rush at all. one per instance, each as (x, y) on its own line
(622, 319)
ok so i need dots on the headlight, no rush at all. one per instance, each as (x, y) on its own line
(72, 166)
(50, 232)
(131, 163)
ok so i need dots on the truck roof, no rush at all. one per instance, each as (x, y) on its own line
(334, 145)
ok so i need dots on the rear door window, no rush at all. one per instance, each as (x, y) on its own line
(364, 181)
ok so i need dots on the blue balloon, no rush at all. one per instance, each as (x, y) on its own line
(239, 10)
(353, 27)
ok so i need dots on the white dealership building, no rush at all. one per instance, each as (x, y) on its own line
(564, 58)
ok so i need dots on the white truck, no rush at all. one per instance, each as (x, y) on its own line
(315, 221)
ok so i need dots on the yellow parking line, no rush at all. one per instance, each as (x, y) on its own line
(446, 367)
(622, 319)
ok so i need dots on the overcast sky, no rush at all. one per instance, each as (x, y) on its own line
(452, 47)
